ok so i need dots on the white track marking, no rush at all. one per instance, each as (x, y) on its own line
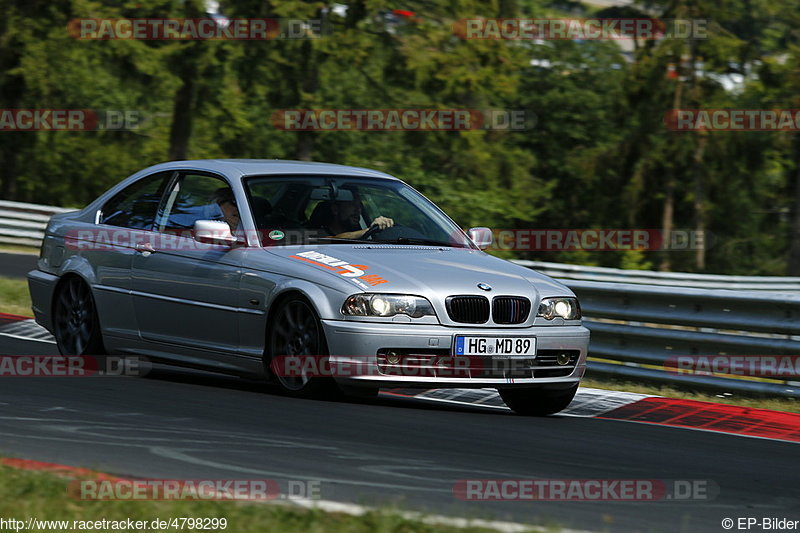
(20, 337)
(587, 403)
(359, 510)
(26, 330)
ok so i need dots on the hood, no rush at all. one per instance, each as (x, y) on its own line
(420, 270)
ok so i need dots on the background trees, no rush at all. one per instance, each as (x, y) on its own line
(598, 155)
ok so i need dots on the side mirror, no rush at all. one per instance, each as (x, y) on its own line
(482, 237)
(214, 232)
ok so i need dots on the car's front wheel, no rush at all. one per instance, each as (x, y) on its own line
(75, 320)
(298, 351)
(539, 401)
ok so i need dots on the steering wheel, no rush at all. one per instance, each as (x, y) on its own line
(398, 231)
(371, 231)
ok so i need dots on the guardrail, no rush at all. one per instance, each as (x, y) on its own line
(639, 319)
(666, 279)
(642, 320)
(640, 331)
(24, 224)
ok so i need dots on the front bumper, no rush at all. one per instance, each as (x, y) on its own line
(351, 343)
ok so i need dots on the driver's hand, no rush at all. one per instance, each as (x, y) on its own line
(383, 222)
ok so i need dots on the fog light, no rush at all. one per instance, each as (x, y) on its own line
(563, 358)
(392, 358)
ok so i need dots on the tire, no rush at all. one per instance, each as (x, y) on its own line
(539, 401)
(76, 325)
(295, 330)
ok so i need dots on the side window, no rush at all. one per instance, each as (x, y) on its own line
(135, 206)
(197, 197)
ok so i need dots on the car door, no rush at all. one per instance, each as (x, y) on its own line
(184, 292)
(109, 246)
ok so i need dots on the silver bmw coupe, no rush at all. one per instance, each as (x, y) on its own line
(314, 276)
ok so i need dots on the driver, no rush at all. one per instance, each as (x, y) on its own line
(345, 217)
(224, 198)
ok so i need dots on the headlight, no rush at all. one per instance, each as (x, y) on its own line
(387, 305)
(566, 308)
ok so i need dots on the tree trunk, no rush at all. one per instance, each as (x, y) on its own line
(308, 85)
(699, 202)
(181, 129)
(8, 175)
(186, 67)
(304, 147)
(667, 220)
(793, 267)
(668, 213)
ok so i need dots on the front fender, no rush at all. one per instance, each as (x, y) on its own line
(326, 301)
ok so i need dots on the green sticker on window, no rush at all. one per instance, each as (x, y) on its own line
(276, 235)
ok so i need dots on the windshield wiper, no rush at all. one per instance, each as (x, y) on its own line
(398, 240)
(340, 239)
(414, 240)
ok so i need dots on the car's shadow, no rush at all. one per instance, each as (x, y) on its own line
(389, 398)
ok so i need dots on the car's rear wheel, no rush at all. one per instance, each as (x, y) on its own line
(76, 325)
(298, 351)
(538, 401)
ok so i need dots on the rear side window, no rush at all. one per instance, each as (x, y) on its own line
(197, 197)
(135, 206)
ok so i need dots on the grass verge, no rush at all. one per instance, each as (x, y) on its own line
(776, 404)
(14, 297)
(18, 249)
(44, 496)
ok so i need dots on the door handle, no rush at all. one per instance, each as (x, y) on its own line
(145, 248)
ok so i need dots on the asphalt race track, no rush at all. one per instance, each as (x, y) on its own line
(176, 424)
(17, 265)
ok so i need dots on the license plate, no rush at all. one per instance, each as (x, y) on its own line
(496, 346)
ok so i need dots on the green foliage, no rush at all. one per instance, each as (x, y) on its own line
(47, 497)
(14, 297)
(598, 155)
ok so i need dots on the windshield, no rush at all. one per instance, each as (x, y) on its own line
(336, 209)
